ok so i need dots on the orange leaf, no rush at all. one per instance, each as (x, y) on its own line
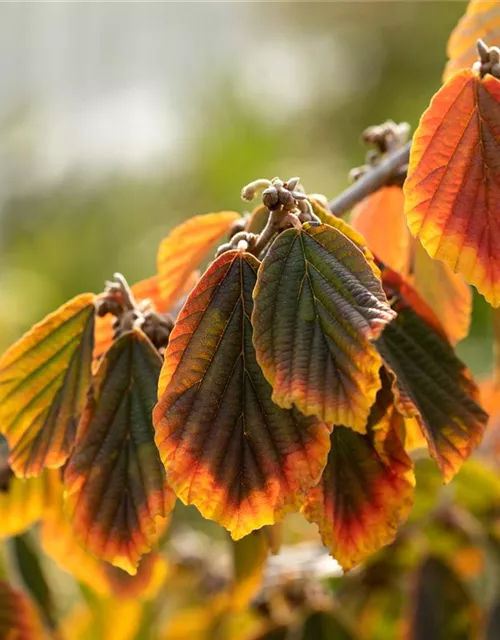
(381, 220)
(186, 247)
(447, 293)
(452, 193)
(481, 20)
(44, 379)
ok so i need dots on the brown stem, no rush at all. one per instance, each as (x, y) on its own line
(370, 181)
(267, 233)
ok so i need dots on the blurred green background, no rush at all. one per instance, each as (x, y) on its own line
(118, 120)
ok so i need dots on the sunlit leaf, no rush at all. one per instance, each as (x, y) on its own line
(181, 252)
(115, 482)
(381, 220)
(447, 293)
(108, 619)
(481, 20)
(366, 490)
(19, 620)
(442, 608)
(318, 306)
(43, 384)
(430, 375)
(249, 556)
(25, 502)
(242, 460)
(452, 193)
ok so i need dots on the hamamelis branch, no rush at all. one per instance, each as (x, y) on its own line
(372, 180)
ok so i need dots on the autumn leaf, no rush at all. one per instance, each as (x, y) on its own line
(431, 377)
(381, 220)
(43, 384)
(19, 619)
(181, 252)
(481, 21)
(241, 460)
(447, 293)
(115, 482)
(366, 490)
(452, 192)
(318, 306)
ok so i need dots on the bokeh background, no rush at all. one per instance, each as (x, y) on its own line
(118, 120)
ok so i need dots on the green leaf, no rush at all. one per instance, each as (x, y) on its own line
(325, 625)
(115, 483)
(318, 306)
(44, 379)
(32, 574)
(228, 449)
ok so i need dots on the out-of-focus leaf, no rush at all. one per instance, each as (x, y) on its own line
(115, 483)
(19, 619)
(24, 502)
(249, 556)
(239, 458)
(318, 306)
(325, 625)
(493, 623)
(108, 619)
(447, 293)
(452, 192)
(181, 252)
(366, 490)
(43, 384)
(430, 376)
(442, 608)
(381, 220)
(477, 488)
(481, 21)
(29, 567)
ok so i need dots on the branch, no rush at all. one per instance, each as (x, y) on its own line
(371, 181)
